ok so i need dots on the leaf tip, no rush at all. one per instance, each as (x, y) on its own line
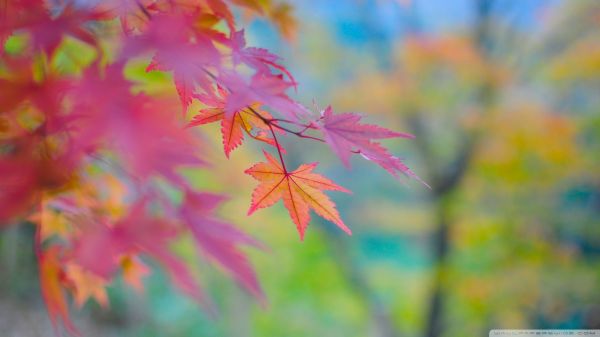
(343, 226)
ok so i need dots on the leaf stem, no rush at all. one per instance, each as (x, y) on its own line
(278, 149)
(144, 10)
(296, 133)
(274, 122)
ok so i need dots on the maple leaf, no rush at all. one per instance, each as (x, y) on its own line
(133, 271)
(219, 240)
(378, 154)
(268, 89)
(255, 5)
(18, 188)
(136, 232)
(300, 191)
(25, 174)
(19, 84)
(180, 48)
(46, 27)
(258, 58)
(346, 135)
(283, 17)
(87, 285)
(51, 223)
(221, 10)
(140, 128)
(186, 63)
(131, 13)
(51, 286)
(234, 126)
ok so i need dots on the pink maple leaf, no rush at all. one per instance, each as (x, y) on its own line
(258, 58)
(265, 88)
(219, 240)
(179, 49)
(346, 136)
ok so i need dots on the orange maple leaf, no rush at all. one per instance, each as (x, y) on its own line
(51, 275)
(134, 270)
(300, 190)
(233, 128)
(87, 285)
(282, 15)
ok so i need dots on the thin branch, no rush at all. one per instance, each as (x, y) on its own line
(296, 133)
(144, 10)
(278, 149)
(274, 122)
(282, 120)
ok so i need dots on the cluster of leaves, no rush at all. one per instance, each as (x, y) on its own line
(97, 165)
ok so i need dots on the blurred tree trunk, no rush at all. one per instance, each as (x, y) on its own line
(443, 184)
(446, 179)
